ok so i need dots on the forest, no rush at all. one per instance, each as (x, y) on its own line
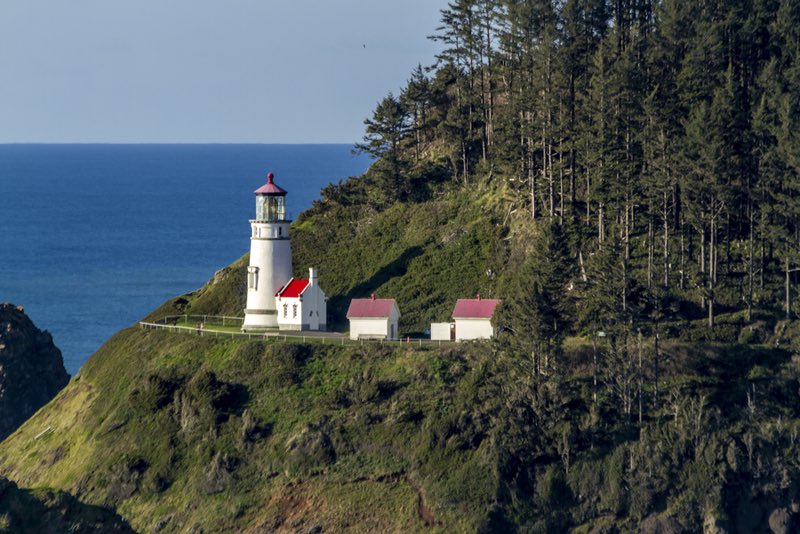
(659, 137)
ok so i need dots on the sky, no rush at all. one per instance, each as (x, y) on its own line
(204, 71)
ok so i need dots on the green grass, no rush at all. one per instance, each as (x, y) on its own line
(138, 401)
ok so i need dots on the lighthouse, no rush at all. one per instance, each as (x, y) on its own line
(270, 257)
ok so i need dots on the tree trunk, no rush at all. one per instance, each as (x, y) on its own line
(656, 356)
(750, 260)
(787, 289)
(712, 268)
(650, 250)
(666, 241)
(640, 377)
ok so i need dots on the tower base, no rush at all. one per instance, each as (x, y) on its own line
(260, 320)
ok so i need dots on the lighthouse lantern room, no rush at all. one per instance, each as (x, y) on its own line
(270, 257)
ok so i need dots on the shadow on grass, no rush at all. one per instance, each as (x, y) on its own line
(23, 510)
(395, 268)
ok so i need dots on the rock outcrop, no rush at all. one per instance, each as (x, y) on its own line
(31, 368)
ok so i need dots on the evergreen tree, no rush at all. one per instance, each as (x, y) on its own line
(536, 313)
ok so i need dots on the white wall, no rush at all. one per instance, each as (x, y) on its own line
(473, 329)
(314, 301)
(290, 321)
(271, 254)
(440, 331)
(370, 328)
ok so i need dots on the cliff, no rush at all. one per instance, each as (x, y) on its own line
(31, 368)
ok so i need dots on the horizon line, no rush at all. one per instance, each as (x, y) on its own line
(167, 143)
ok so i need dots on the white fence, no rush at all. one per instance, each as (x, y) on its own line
(205, 327)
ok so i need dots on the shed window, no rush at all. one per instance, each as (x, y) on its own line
(285, 310)
(294, 311)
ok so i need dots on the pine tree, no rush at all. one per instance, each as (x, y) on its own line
(536, 313)
(385, 133)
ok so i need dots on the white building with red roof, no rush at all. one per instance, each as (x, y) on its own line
(373, 318)
(473, 318)
(302, 305)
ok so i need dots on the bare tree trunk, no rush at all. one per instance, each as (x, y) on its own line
(666, 241)
(560, 181)
(650, 250)
(702, 231)
(627, 228)
(464, 168)
(640, 376)
(594, 364)
(750, 259)
(682, 281)
(600, 227)
(787, 289)
(532, 179)
(712, 267)
(656, 357)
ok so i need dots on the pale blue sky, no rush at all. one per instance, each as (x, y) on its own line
(228, 71)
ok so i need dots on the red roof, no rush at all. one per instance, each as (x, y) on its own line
(370, 308)
(475, 308)
(293, 289)
(270, 188)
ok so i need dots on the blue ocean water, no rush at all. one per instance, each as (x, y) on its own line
(93, 237)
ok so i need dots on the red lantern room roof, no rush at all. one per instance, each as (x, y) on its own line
(270, 188)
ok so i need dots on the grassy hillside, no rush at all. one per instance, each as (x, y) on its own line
(178, 433)
(425, 255)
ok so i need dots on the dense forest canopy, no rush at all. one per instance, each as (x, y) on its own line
(660, 136)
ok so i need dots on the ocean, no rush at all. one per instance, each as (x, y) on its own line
(94, 237)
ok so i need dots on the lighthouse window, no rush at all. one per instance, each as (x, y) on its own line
(252, 277)
(294, 311)
(280, 231)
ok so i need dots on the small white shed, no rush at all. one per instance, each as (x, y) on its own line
(473, 318)
(443, 331)
(373, 318)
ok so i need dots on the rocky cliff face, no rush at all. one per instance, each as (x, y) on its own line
(31, 368)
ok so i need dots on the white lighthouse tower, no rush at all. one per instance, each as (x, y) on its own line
(270, 257)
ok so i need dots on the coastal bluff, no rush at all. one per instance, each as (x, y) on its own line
(31, 368)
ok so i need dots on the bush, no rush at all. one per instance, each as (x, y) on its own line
(552, 490)
(156, 391)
